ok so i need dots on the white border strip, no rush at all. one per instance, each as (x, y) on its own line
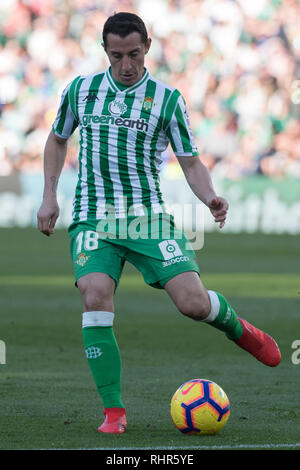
(213, 447)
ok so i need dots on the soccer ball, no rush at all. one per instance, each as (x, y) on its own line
(200, 406)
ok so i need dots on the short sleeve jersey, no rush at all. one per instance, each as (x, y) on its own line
(122, 135)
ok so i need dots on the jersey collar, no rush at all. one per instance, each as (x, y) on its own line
(128, 89)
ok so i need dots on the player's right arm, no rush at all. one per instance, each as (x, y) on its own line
(54, 158)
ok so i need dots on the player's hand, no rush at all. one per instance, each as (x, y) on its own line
(218, 206)
(47, 216)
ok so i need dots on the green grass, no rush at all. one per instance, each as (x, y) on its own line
(48, 398)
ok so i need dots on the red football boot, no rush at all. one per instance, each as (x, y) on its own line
(115, 421)
(262, 346)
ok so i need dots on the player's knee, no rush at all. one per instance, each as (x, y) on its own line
(194, 306)
(97, 292)
(96, 296)
(96, 300)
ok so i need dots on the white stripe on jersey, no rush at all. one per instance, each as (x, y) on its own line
(158, 100)
(99, 187)
(84, 183)
(115, 176)
(131, 160)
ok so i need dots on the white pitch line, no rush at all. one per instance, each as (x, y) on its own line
(213, 447)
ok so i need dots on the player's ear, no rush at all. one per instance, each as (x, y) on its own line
(148, 45)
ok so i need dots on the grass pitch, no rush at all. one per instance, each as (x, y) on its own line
(48, 398)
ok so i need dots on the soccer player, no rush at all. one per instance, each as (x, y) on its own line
(126, 119)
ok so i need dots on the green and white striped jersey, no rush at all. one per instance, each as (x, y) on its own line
(122, 134)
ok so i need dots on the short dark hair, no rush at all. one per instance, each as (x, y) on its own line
(124, 24)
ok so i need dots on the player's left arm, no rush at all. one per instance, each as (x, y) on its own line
(180, 135)
(200, 183)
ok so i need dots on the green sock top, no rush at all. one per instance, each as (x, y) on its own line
(227, 320)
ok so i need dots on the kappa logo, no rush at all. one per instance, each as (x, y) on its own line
(188, 122)
(91, 97)
(117, 107)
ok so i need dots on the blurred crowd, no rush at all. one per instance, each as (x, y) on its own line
(235, 61)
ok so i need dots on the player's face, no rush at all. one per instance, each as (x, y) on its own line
(126, 57)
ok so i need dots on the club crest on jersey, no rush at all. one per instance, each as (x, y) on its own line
(147, 103)
(117, 107)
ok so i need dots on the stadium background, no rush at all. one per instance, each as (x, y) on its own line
(236, 63)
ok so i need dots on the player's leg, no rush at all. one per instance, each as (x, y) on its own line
(97, 290)
(171, 264)
(97, 267)
(193, 300)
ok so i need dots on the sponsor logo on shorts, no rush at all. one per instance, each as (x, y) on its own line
(171, 253)
(82, 259)
(169, 249)
(178, 259)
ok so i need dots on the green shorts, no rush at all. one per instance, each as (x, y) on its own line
(159, 252)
